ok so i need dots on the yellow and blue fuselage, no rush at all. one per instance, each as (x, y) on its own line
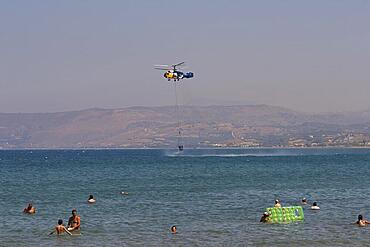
(177, 75)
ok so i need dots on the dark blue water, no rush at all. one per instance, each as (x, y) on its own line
(215, 197)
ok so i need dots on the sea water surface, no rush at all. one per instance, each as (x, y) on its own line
(214, 197)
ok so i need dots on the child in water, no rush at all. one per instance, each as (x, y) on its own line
(60, 228)
(91, 199)
(265, 217)
(29, 209)
(315, 206)
(277, 204)
(361, 222)
(304, 201)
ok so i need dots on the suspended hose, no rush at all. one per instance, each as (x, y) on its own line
(179, 136)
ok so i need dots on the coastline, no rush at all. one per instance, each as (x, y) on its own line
(191, 148)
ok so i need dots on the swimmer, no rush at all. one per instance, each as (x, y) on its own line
(304, 201)
(361, 222)
(173, 229)
(124, 193)
(29, 209)
(74, 221)
(314, 206)
(91, 199)
(60, 228)
(277, 204)
(265, 217)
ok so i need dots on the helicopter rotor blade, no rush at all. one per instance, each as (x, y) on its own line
(179, 64)
(162, 65)
(161, 68)
(169, 67)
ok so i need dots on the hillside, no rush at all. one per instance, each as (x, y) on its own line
(203, 126)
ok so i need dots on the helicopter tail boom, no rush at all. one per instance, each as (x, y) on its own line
(188, 75)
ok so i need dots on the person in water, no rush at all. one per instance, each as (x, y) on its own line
(91, 199)
(315, 206)
(277, 204)
(60, 228)
(304, 201)
(361, 221)
(29, 209)
(74, 221)
(265, 217)
(173, 229)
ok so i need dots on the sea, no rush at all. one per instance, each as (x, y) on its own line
(215, 197)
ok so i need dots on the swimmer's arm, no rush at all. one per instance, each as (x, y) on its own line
(52, 232)
(69, 223)
(65, 229)
(78, 223)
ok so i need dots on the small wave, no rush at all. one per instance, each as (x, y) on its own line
(215, 155)
(177, 154)
(263, 152)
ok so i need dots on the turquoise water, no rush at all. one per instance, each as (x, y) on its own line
(215, 197)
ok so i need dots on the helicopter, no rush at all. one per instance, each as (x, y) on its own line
(172, 73)
(176, 75)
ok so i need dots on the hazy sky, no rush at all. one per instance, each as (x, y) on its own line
(69, 55)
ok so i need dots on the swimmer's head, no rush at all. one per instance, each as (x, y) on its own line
(359, 217)
(314, 204)
(304, 199)
(74, 211)
(266, 214)
(173, 229)
(60, 222)
(91, 197)
(276, 201)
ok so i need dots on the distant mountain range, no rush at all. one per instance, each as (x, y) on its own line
(202, 126)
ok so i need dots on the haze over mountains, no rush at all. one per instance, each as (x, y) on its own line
(202, 126)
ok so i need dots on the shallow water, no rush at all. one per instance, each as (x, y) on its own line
(215, 197)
